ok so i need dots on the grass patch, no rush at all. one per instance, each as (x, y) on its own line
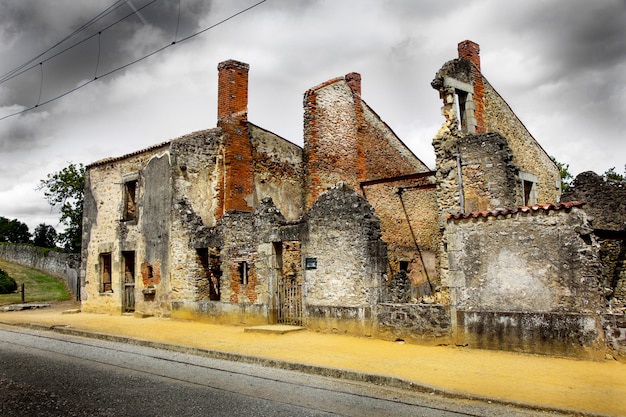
(39, 286)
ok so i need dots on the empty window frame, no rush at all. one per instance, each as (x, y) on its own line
(243, 273)
(130, 200)
(529, 188)
(464, 104)
(105, 273)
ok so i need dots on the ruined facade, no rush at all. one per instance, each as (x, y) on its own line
(235, 224)
(351, 232)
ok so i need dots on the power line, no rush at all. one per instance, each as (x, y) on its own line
(96, 77)
(17, 71)
(20, 70)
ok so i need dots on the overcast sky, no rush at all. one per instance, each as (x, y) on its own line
(560, 65)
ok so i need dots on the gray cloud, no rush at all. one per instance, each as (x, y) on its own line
(559, 64)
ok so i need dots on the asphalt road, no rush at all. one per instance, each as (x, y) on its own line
(48, 374)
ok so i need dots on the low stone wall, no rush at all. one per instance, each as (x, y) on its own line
(421, 323)
(59, 264)
(548, 333)
(221, 313)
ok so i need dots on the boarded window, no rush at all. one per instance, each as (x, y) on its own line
(130, 201)
(105, 272)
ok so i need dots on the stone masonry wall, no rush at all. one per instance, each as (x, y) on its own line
(343, 237)
(408, 218)
(386, 156)
(104, 230)
(59, 264)
(526, 262)
(331, 141)
(528, 154)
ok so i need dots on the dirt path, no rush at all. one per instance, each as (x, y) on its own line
(599, 387)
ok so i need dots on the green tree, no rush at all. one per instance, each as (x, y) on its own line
(45, 236)
(13, 231)
(566, 176)
(610, 174)
(7, 284)
(65, 189)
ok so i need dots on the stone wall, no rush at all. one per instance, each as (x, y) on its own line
(422, 323)
(408, 219)
(605, 200)
(278, 172)
(106, 231)
(528, 155)
(524, 263)
(343, 285)
(62, 265)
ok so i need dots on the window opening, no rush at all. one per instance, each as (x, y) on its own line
(404, 266)
(529, 188)
(128, 301)
(105, 272)
(461, 99)
(211, 272)
(243, 273)
(130, 200)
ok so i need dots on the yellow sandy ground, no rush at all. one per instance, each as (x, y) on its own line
(592, 386)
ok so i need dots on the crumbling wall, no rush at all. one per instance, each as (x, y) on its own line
(605, 200)
(408, 218)
(332, 152)
(515, 274)
(278, 172)
(346, 262)
(106, 231)
(381, 146)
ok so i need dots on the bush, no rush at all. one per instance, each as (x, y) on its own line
(7, 284)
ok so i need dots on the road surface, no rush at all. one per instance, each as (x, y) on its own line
(49, 374)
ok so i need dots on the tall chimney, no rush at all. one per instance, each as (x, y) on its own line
(236, 188)
(232, 90)
(470, 51)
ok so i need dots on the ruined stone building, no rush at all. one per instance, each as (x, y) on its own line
(351, 232)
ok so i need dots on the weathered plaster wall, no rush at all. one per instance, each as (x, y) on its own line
(528, 264)
(105, 231)
(343, 236)
(278, 172)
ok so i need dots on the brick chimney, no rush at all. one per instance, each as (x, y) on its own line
(237, 187)
(470, 51)
(354, 82)
(232, 90)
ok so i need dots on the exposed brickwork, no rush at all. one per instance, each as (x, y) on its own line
(471, 52)
(232, 96)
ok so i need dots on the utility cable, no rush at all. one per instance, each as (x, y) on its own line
(77, 43)
(78, 87)
(18, 69)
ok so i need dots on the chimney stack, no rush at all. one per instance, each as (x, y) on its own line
(232, 90)
(354, 82)
(470, 51)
